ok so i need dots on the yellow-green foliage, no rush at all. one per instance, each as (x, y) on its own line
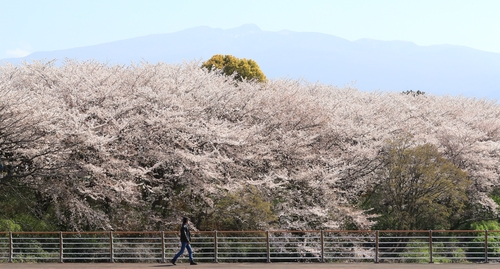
(493, 237)
(418, 189)
(7, 225)
(245, 209)
(244, 69)
(495, 195)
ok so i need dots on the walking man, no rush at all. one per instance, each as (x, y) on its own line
(185, 242)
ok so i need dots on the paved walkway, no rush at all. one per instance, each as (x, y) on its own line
(284, 265)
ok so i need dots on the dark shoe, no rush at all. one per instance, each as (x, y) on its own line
(193, 263)
(172, 261)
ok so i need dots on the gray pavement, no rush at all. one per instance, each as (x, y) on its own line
(283, 265)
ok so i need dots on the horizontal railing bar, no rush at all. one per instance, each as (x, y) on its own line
(247, 237)
(242, 258)
(99, 258)
(86, 238)
(239, 253)
(117, 249)
(83, 255)
(138, 243)
(347, 242)
(405, 237)
(232, 232)
(294, 231)
(243, 238)
(290, 257)
(403, 242)
(248, 243)
(121, 254)
(461, 247)
(348, 251)
(457, 243)
(463, 231)
(120, 239)
(135, 253)
(29, 239)
(245, 248)
(14, 233)
(348, 237)
(30, 257)
(133, 258)
(456, 237)
(349, 258)
(405, 258)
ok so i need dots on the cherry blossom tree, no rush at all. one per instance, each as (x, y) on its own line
(136, 147)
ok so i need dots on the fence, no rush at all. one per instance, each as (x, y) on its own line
(259, 246)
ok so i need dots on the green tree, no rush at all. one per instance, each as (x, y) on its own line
(228, 64)
(493, 237)
(417, 189)
(495, 195)
(245, 209)
(23, 208)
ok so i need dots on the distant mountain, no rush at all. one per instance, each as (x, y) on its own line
(367, 64)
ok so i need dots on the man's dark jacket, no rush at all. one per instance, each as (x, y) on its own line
(185, 234)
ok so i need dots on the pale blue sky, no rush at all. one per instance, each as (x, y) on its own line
(43, 25)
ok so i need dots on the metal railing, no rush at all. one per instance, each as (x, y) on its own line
(260, 246)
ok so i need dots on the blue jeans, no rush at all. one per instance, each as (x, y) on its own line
(184, 246)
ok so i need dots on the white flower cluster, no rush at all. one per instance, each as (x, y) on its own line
(135, 147)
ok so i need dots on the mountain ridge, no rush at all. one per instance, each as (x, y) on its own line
(315, 57)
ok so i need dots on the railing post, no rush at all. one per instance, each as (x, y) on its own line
(61, 249)
(268, 247)
(11, 247)
(486, 246)
(216, 244)
(376, 245)
(111, 251)
(430, 247)
(322, 246)
(162, 246)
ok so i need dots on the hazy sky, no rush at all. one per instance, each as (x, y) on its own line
(43, 25)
